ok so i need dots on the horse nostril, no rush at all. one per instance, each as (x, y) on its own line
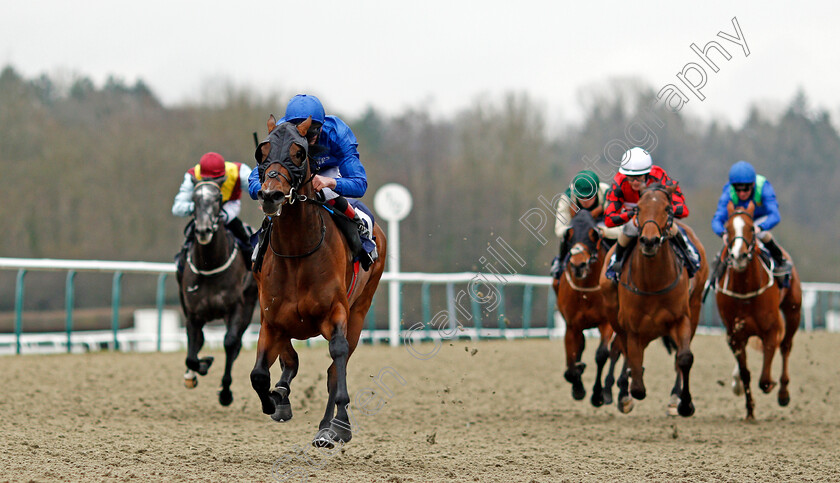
(260, 194)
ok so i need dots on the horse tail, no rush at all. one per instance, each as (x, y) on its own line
(669, 344)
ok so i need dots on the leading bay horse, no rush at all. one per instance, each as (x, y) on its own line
(582, 307)
(748, 300)
(307, 282)
(215, 284)
(656, 298)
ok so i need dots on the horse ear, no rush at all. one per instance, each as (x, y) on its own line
(304, 126)
(271, 123)
(751, 209)
(265, 149)
(730, 208)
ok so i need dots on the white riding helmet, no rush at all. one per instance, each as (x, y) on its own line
(635, 161)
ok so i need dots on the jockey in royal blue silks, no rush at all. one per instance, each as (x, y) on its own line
(339, 177)
(745, 187)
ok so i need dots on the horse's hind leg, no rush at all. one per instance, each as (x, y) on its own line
(281, 391)
(792, 314)
(625, 402)
(236, 325)
(574, 368)
(195, 341)
(615, 353)
(601, 356)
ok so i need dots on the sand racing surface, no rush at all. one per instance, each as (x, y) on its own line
(475, 411)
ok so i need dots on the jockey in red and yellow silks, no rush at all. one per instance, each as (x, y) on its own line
(234, 180)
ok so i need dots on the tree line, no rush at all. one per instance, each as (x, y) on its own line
(90, 172)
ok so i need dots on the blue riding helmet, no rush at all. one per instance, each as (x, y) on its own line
(303, 106)
(742, 172)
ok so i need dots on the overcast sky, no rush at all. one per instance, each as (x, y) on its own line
(436, 54)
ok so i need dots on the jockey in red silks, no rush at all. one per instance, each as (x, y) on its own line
(232, 179)
(636, 172)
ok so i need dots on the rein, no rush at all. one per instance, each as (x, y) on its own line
(578, 287)
(310, 252)
(217, 270)
(632, 286)
(755, 293)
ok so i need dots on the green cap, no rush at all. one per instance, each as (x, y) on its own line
(585, 184)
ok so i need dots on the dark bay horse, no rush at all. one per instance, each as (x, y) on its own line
(749, 299)
(583, 308)
(216, 284)
(656, 298)
(308, 285)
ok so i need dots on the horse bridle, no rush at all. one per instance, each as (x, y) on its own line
(293, 191)
(668, 223)
(750, 244)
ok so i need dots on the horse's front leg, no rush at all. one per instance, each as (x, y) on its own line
(771, 343)
(635, 359)
(268, 348)
(280, 393)
(739, 349)
(236, 323)
(574, 368)
(685, 359)
(336, 429)
(195, 341)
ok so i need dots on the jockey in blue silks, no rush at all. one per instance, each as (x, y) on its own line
(745, 187)
(339, 173)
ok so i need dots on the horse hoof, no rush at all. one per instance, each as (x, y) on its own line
(340, 432)
(190, 380)
(578, 392)
(638, 394)
(225, 397)
(766, 387)
(737, 386)
(204, 365)
(324, 439)
(686, 410)
(597, 399)
(625, 405)
(784, 398)
(607, 397)
(282, 413)
(672, 405)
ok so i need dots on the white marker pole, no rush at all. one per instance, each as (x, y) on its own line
(394, 288)
(393, 203)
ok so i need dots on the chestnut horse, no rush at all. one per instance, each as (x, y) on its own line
(748, 299)
(656, 298)
(582, 307)
(215, 284)
(307, 282)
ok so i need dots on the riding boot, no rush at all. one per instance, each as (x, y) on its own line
(238, 229)
(691, 261)
(717, 268)
(259, 249)
(783, 266)
(181, 256)
(617, 260)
